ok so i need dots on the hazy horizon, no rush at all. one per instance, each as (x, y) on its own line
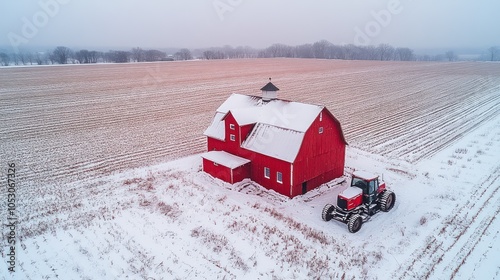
(259, 24)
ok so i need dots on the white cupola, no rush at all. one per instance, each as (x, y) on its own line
(269, 92)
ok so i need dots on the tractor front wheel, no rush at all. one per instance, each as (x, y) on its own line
(354, 223)
(387, 201)
(327, 212)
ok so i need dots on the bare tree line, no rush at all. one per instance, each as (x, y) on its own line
(227, 52)
(326, 50)
(319, 50)
(64, 55)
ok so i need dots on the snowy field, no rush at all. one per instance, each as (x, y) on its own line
(109, 181)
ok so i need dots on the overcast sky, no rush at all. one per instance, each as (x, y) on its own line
(257, 23)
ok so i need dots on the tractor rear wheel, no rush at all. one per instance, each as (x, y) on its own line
(354, 223)
(327, 212)
(387, 201)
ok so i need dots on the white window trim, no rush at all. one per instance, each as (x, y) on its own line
(232, 137)
(321, 130)
(321, 116)
(265, 173)
(278, 177)
(231, 126)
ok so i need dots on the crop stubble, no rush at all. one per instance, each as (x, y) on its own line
(65, 123)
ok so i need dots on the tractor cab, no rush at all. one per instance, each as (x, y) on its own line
(366, 196)
(369, 184)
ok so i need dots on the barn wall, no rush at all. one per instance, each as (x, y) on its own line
(217, 171)
(322, 156)
(215, 144)
(241, 173)
(315, 182)
(232, 146)
(259, 162)
(244, 131)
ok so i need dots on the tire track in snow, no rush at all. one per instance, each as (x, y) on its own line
(444, 253)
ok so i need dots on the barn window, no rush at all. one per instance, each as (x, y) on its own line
(233, 138)
(231, 126)
(320, 130)
(321, 116)
(215, 163)
(267, 172)
(279, 177)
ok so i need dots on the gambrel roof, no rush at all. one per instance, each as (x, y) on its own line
(281, 113)
(280, 125)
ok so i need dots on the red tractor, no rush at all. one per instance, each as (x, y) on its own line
(356, 204)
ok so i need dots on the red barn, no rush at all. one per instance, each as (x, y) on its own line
(289, 147)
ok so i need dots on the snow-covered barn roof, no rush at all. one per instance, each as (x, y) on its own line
(281, 113)
(273, 141)
(216, 129)
(280, 125)
(225, 159)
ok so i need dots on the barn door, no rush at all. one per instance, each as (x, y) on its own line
(304, 187)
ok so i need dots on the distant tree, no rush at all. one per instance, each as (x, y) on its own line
(184, 54)
(213, 55)
(154, 55)
(83, 56)
(404, 54)
(229, 51)
(208, 55)
(274, 50)
(339, 52)
(30, 57)
(493, 53)
(137, 54)
(385, 51)
(4, 59)
(117, 56)
(61, 54)
(360, 52)
(14, 58)
(366, 53)
(356, 52)
(21, 55)
(248, 52)
(39, 58)
(220, 55)
(94, 56)
(242, 52)
(304, 51)
(451, 56)
(121, 56)
(239, 52)
(280, 50)
(321, 49)
(263, 54)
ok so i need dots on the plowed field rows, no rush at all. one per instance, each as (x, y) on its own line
(67, 127)
(73, 122)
